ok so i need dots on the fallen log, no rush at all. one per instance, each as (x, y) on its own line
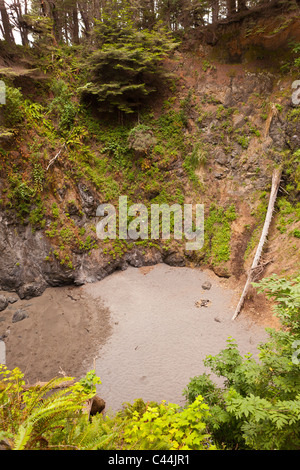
(273, 112)
(66, 384)
(92, 406)
(274, 190)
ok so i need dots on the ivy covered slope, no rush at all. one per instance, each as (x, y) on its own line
(144, 115)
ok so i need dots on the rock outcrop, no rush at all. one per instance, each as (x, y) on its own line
(25, 267)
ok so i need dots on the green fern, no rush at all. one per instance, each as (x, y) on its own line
(87, 434)
(28, 419)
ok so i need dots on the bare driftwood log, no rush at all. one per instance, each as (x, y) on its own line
(275, 186)
(66, 384)
(92, 407)
(273, 112)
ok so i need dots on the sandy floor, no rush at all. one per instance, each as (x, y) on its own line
(160, 337)
(140, 328)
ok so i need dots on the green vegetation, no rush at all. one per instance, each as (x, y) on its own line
(125, 68)
(243, 141)
(104, 104)
(288, 214)
(13, 109)
(259, 406)
(62, 108)
(41, 417)
(218, 222)
(61, 140)
(33, 419)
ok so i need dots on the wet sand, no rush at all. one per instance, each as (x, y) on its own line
(140, 328)
(60, 336)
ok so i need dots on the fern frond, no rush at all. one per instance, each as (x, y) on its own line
(23, 436)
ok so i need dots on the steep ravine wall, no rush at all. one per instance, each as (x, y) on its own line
(24, 267)
(235, 174)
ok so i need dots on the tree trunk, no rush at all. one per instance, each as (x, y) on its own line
(57, 22)
(231, 8)
(215, 7)
(66, 28)
(75, 26)
(96, 10)
(242, 5)
(8, 35)
(85, 18)
(45, 7)
(2, 30)
(275, 186)
(20, 22)
(152, 16)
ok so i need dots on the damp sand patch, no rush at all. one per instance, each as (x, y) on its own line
(58, 334)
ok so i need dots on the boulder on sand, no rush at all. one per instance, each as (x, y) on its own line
(3, 303)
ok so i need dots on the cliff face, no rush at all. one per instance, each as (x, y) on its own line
(25, 267)
(237, 122)
(248, 123)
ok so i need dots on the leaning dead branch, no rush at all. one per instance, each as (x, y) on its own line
(56, 156)
(275, 186)
(66, 384)
(273, 112)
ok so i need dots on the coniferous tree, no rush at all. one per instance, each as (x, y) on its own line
(126, 65)
(18, 9)
(7, 28)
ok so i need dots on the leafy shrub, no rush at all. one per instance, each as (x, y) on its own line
(166, 426)
(13, 109)
(259, 406)
(43, 417)
(296, 233)
(202, 385)
(141, 139)
(21, 194)
(62, 107)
